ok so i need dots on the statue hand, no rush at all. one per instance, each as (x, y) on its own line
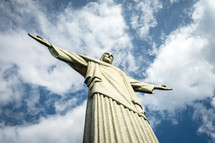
(40, 39)
(162, 87)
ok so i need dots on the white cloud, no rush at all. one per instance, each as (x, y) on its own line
(213, 102)
(143, 17)
(92, 30)
(55, 129)
(207, 116)
(186, 63)
(181, 64)
(10, 86)
(174, 1)
(63, 105)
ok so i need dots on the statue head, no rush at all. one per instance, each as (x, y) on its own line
(107, 57)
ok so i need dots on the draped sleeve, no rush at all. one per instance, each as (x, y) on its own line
(139, 86)
(77, 62)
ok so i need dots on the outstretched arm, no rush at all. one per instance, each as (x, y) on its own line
(40, 40)
(77, 62)
(162, 87)
(139, 86)
(54, 50)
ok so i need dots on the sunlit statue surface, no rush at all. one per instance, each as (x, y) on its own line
(114, 113)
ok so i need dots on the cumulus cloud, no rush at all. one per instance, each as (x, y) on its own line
(11, 88)
(184, 63)
(67, 128)
(91, 30)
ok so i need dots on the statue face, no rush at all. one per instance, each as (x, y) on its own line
(107, 57)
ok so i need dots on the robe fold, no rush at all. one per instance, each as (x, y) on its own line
(114, 113)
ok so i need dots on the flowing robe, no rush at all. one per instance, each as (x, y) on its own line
(114, 113)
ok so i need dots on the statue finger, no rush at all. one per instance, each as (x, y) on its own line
(168, 88)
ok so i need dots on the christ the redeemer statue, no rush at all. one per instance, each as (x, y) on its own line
(114, 113)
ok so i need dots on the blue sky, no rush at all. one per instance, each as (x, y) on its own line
(160, 42)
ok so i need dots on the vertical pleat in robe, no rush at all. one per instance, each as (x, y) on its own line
(110, 122)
